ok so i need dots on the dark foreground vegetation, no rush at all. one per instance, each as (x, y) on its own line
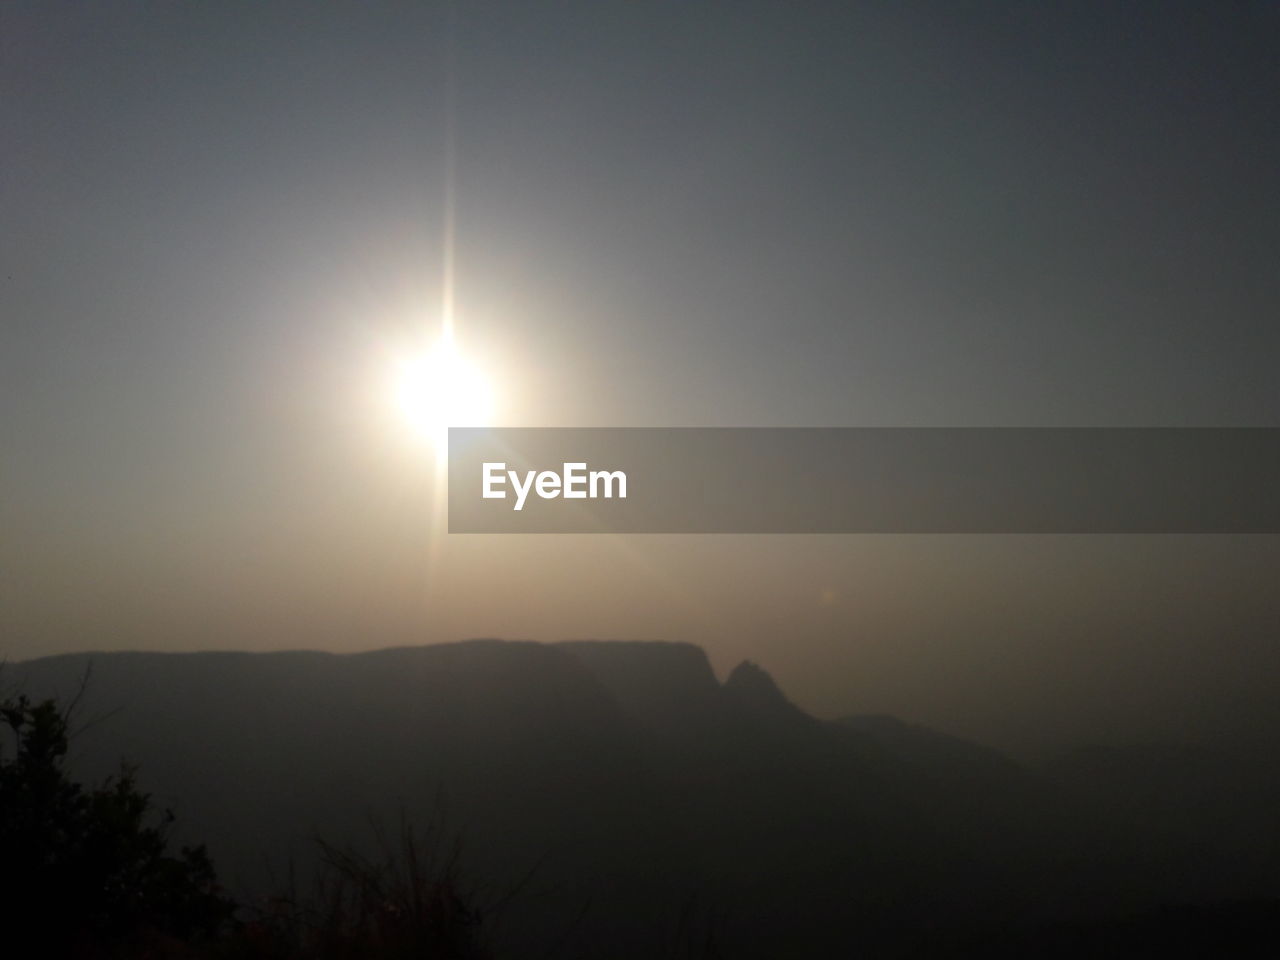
(88, 873)
(607, 801)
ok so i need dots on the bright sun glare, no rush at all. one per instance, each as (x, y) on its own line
(439, 388)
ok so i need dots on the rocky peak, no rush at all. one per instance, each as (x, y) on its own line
(751, 687)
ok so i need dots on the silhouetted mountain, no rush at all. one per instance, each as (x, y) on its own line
(633, 781)
(662, 687)
(940, 756)
(1222, 796)
(753, 693)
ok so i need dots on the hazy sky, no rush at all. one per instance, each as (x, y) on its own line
(223, 222)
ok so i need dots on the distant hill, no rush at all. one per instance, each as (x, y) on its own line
(639, 790)
(1224, 796)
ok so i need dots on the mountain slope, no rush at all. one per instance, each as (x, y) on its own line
(631, 779)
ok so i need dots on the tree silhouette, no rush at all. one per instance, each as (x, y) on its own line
(86, 871)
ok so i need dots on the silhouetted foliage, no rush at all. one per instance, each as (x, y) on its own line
(408, 902)
(86, 871)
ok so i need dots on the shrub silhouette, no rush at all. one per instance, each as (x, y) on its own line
(409, 901)
(86, 872)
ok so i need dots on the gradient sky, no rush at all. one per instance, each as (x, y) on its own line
(221, 223)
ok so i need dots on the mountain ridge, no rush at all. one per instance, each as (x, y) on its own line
(625, 771)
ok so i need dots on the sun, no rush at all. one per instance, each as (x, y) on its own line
(439, 388)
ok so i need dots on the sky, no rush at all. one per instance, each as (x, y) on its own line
(222, 225)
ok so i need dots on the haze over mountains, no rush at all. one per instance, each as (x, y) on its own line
(634, 799)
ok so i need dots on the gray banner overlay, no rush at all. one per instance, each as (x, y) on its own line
(864, 480)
